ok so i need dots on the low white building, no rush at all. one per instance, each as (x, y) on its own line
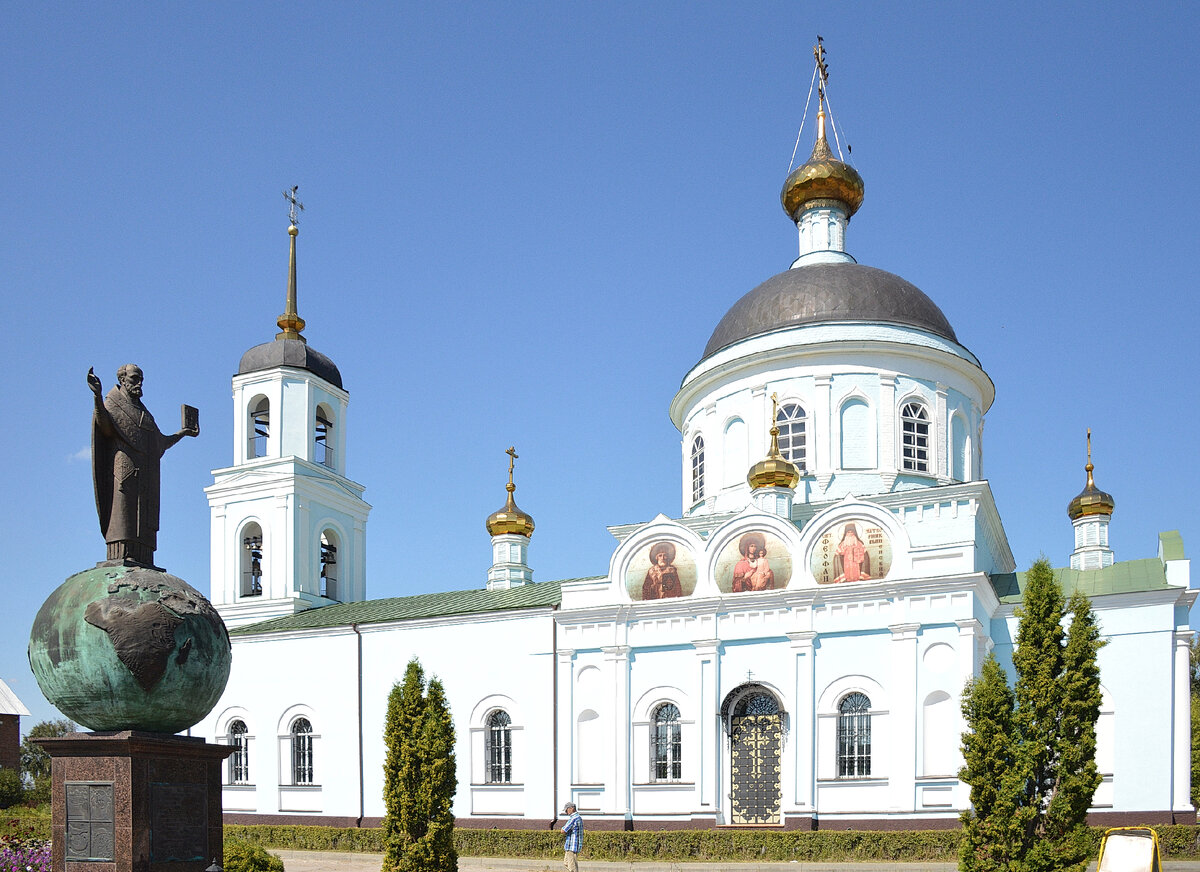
(790, 650)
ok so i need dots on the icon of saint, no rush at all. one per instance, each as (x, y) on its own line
(753, 571)
(662, 578)
(851, 562)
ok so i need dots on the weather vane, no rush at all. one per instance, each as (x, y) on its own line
(294, 204)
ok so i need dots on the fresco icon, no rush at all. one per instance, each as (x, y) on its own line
(661, 570)
(852, 550)
(757, 560)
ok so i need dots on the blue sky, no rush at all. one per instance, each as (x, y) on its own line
(524, 220)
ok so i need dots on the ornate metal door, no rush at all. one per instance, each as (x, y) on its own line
(754, 782)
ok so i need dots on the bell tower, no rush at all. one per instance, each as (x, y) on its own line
(288, 527)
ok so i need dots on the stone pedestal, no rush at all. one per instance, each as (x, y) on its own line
(133, 801)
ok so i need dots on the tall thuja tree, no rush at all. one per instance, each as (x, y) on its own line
(403, 768)
(991, 831)
(439, 782)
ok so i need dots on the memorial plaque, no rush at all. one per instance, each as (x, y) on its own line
(90, 832)
(178, 822)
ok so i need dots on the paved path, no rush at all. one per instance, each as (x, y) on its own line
(320, 861)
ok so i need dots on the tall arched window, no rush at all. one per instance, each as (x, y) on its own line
(854, 736)
(697, 468)
(329, 574)
(302, 751)
(858, 435)
(791, 423)
(914, 423)
(239, 760)
(252, 561)
(666, 745)
(499, 748)
(323, 437)
(259, 428)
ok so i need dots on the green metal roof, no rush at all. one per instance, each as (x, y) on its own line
(1171, 544)
(1124, 577)
(427, 605)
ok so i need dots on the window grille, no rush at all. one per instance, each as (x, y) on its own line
(854, 736)
(757, 704)
(323, 445)
(666, 744)
(239, 760)
(697, 468)
(914, 421)
(499, 748)
(252, 577)
(791, 423)
(260, 428)
(302, 752)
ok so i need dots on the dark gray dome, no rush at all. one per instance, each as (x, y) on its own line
(828, 292)
(290, 352)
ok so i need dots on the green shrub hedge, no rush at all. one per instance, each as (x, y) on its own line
(1176, 841)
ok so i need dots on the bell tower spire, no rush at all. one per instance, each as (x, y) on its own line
(290, 323)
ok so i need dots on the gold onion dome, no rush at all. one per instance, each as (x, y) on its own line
(823, 177)
(509, 518)
(1091, 500)
(774, 470)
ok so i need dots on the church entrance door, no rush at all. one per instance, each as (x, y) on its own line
(755, 731)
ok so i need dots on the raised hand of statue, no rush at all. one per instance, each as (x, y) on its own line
(93, 381)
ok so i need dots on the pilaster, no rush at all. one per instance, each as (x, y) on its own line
(902, 766)
(804, 718)
(708, 656)
(616, 658)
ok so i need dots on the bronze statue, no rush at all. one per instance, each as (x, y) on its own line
(127, 447)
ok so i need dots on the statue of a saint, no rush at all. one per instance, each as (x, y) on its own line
(127, 447)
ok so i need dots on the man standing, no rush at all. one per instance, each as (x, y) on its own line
(573, 829)
(127, 448)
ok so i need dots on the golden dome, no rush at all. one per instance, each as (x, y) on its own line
(1091, 500)
(774, 470)
(823, 177)
(509, 518)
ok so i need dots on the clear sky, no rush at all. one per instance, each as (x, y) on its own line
(525, 219)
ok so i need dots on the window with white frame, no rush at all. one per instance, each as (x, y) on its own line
(499, 747)
(239, 760)
(666, 744)
(302, 751)
(854, 736)
(791, 422)
(323, 438)
(914, 438)
(698, 468)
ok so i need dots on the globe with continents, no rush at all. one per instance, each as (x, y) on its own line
(130, 648)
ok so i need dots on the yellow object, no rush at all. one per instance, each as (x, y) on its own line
(1129, 849)
(1091, 500)
(509, 518)
(776, 470)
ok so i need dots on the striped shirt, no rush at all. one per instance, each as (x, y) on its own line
(574, 830)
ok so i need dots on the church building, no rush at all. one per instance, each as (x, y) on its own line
(788, 648)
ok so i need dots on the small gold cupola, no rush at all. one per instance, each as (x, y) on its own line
(774, 470)
(823, 177)
(1091, 500)
(509, 519)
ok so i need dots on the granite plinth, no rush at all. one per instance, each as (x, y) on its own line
(166, 799)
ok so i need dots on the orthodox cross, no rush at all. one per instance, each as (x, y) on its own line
(512, 459)
(749, 674)
(822, 68)
(1089, 429)
(774, 408)
(294, 204)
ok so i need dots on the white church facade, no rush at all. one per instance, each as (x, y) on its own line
(789, 650)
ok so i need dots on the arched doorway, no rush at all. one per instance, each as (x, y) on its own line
(754, 722)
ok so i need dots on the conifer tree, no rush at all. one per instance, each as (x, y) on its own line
(1031, 793)
(990, 830)
(439, 782)
(405, 821)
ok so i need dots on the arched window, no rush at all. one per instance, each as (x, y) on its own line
(323, 438)
(259, 428)
(499, 748)
(697, 469)
(239, 760)
(302, 751)
(666, 745)
(858, 435)
(791, 423)
(914, 423)
(329, 550)
(252, 561)
(854, 736)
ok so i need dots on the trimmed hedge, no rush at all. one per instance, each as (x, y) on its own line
(1177, 842)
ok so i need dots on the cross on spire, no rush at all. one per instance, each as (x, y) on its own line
(293, 204)
(512, 460)
(822, 68)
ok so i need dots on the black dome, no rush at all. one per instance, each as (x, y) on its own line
(828, 292)
(290, 352)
